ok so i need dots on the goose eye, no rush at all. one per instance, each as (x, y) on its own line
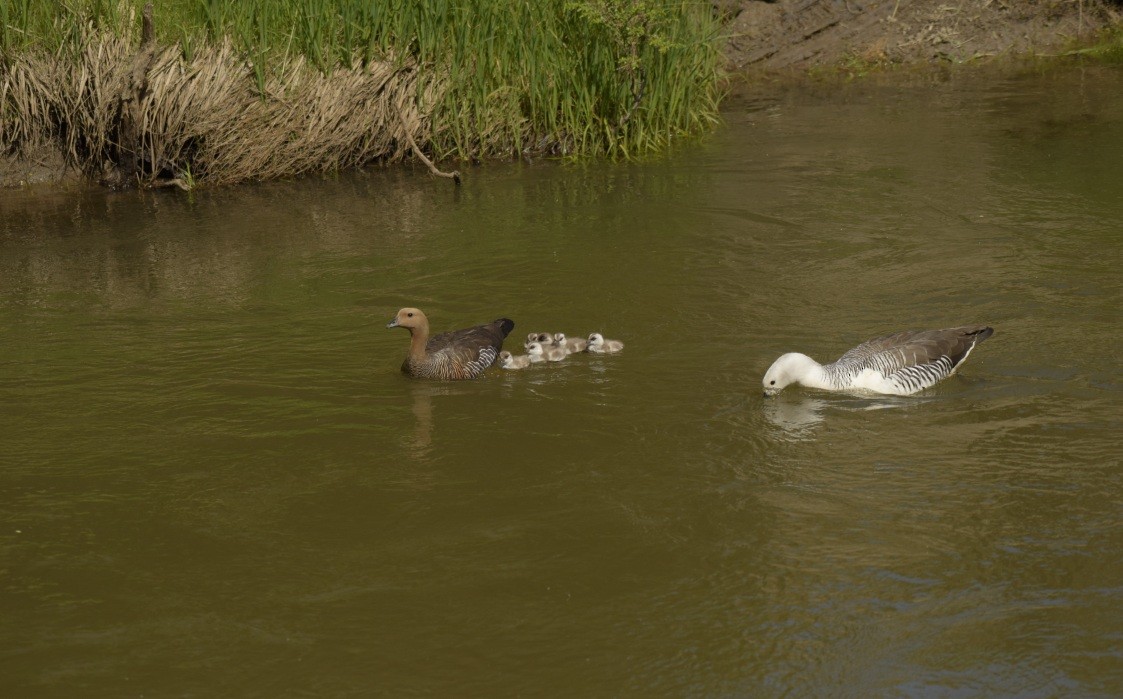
(773, 383)
(409, 314)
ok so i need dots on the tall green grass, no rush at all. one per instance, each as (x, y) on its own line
(572, 77)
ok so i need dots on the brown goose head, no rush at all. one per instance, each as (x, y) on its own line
(411, 318)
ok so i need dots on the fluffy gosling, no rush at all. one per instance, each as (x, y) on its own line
(545, 338)
(549, 354)
(510, 361)
(571, 344)
(599, 345)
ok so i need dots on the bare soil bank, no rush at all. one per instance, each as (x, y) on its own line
(796, 35)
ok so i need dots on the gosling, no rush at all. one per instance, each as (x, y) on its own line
(545, 338)
(548, 354)
(599, 345)
(510, 361)
(571, 344)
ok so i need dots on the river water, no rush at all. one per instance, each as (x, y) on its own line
(216, 482)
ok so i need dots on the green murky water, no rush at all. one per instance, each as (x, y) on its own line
(215, 481)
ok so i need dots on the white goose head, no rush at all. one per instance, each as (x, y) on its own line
(790, 368)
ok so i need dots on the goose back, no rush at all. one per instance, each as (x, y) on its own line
(908, 361)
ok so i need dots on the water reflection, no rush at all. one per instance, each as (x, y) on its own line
(797, 416)
(423, 421)
(796, 419)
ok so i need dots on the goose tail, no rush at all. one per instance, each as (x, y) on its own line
(983, 333)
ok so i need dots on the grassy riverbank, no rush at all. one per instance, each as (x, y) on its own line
(230, 90)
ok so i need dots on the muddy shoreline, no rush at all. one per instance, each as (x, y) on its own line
(793, 41)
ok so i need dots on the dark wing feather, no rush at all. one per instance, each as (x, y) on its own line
(464, 354)
(915, 348)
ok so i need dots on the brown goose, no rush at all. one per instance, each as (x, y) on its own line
(459, 354)
(899, 364)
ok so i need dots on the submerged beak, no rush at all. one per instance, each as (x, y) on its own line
(393, 323)
(771, 393)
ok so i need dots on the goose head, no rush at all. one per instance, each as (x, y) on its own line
(409, 318)
(785, 371)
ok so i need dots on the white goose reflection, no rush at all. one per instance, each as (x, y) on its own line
(797, 418)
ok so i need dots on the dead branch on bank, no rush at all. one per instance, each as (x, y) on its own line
(454, 175)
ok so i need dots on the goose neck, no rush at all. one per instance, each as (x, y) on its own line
(813, 374)
(418, 337)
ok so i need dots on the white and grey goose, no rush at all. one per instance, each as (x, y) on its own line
(899, 364)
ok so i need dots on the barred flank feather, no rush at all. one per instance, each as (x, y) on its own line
(910, 360)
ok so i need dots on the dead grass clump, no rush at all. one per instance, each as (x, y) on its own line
(143, 114)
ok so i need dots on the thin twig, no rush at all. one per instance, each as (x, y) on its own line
(454, 175)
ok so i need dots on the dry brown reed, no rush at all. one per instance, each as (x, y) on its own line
(206, 120)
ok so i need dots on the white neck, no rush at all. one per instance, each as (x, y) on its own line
(807, 371)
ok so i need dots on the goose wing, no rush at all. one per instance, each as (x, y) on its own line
(915, 359)
(466, 353)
